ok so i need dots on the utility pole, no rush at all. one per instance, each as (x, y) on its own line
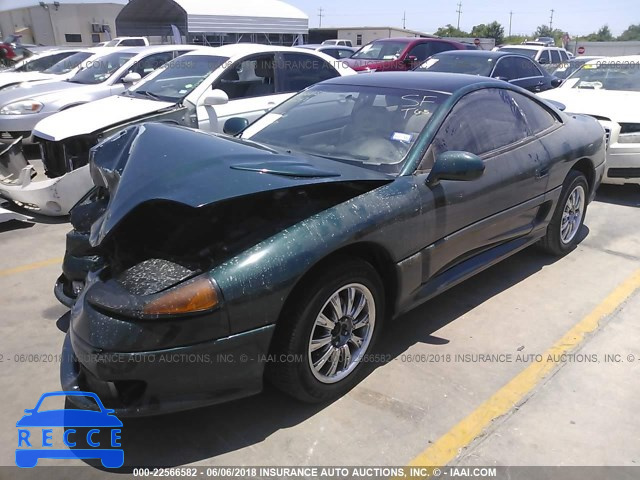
(551, 20)
(404, 21)
(510, 18)
(320, 15)
(459, 13)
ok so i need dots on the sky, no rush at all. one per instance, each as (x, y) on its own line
(578, 17)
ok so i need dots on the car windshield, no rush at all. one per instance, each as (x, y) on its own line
(370, 126)
(68, 64)
(43, 62)
(100, 69)
(179, 77)
(606, 75)
(567, 68)
(382, 50)
(470, 64)
(527, 52)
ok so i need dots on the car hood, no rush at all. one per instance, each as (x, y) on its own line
(94, 116)
(46, 91)
(159, 162)
(11, 78)
(618, 106)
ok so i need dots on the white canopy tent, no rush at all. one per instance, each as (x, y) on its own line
(226, 21)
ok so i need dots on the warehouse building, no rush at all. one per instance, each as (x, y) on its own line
(60, 22)
(215, 22)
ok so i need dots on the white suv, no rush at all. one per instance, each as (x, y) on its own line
(547, 56)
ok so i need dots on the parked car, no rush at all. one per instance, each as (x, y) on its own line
(98, 77)
(127, 42)
(516, 69)
(338, 41)
(334, 51)
(201, 89)
(549, 57)
(608, 89)
(544, 41)
(398, 53)
(53, 65)
(349, 204)
(12, 50)
(566, 69)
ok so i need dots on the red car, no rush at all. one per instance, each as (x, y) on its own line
(390, 54)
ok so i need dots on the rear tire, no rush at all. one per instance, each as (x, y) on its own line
(563, 230)
(325, 332)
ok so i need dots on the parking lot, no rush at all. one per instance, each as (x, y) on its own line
(460, 381)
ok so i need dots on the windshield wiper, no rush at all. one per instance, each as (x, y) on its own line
(152, 96)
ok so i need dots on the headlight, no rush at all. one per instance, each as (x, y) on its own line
(25, 107)
(191, 297)
(195, 296)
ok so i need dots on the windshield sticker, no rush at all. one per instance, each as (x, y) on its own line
(402, 137)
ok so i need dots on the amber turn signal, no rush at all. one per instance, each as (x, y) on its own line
(193, 297)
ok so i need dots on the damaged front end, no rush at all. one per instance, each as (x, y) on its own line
(68, 180)
(150, 213)
(170, 205)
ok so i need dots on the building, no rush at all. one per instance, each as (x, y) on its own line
(361, 35)
(60, 22)
(214, 23)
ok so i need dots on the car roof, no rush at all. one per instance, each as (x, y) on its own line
(530, 47)
(481, 53)
(427, 81)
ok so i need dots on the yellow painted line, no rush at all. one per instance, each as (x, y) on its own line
(30, 266)
(447, 447)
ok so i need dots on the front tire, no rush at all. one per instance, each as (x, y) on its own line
(326, 330)
(563, 230)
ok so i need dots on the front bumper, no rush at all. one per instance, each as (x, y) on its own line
(14, 126)
(168, 380)
(53, 196)
(623, 159)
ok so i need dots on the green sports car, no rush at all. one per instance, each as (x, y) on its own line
(201, 264)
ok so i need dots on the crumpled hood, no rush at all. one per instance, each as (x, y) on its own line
(619, 106)
(94, 116)
(12, 78)
(155, 162)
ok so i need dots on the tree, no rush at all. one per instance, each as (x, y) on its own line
(493, 30)
(602, 35)
(451, 31)
(543, 31)
(631, 33)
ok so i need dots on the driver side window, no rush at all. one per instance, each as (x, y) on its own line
(481, 122)
(251, 77)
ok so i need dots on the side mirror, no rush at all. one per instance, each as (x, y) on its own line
(131, 77)
(543, 61)
(235, 125)
(560, 106)
(215, 97)
(411, 59)
(556, 82)
(460, 166)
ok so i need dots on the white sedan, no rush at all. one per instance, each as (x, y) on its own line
(55, 64)
(608, 89)
(201, 89)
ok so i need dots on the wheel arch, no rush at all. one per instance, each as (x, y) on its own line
(585, 166)
(374, 254)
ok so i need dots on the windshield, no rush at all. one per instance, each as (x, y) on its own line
(100, 69)
(527, 52)
(371, 126)
(111, 43)
(470, 64)
(68, 64)
(43, 62)
(382, 50)
(606, 75)
(179, 77)
(567, 68)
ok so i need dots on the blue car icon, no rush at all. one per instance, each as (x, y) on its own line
(68, 418)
